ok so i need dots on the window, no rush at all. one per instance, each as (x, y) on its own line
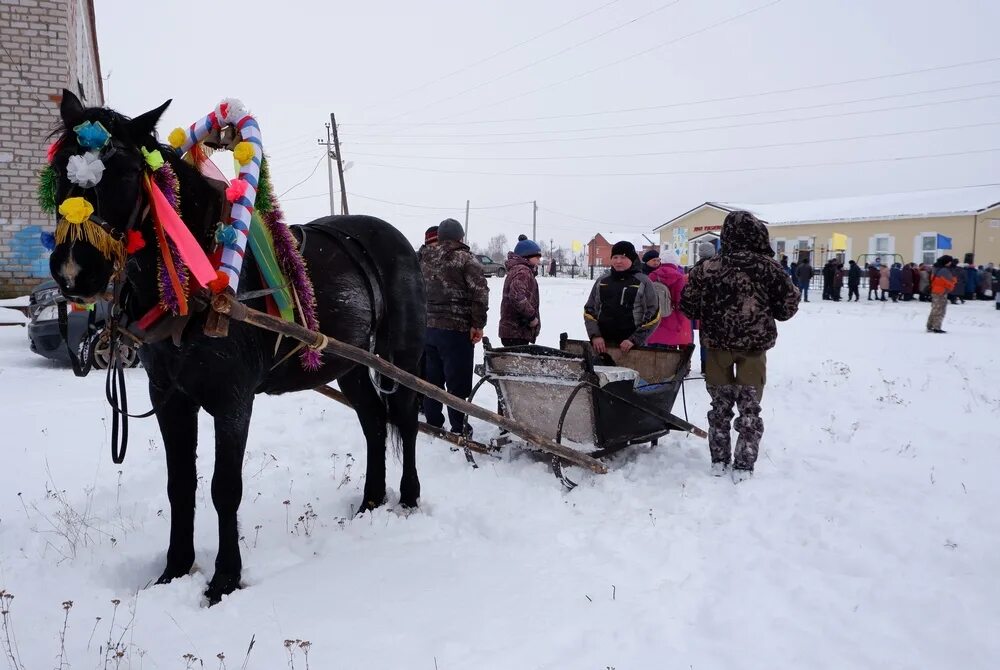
(881, 245)
(779, 248)
(928, 249)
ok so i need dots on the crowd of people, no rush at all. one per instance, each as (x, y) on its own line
(649, 301)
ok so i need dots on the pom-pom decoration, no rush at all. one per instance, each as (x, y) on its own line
(236, 190)
(226, 235)
(76, 210)
(177, 137)
(243, 152)
(47, 189)
(48, 240)
(50, 155)
(85, 171)
(92, 135)
(220, 283)
(135, 242)
(154, 159)
(230, 110)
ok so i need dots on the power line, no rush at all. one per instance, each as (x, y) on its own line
(661, 45)
(676, 152)
(315, 167)
(685, 172)
(672, 105)
(705, 128)
(491, 56)
(537, 62)
(406, 204)
(778, 110)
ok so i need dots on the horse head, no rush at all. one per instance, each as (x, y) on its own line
(100, 165)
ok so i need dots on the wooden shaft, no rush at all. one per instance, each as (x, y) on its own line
(228, 305)
(424, 428)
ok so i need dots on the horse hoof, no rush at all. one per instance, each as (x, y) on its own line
(369, 504)
(221, 585)
(170, 574)
(408, 502)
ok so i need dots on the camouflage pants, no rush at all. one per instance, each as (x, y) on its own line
(939, 303)
(748, 424)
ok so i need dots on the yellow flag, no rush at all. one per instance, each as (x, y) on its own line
(577, 246)
(839, 242)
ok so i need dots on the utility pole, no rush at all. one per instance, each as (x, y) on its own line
(534, 219)
(329, 165)
(340, 166)
(466, 221)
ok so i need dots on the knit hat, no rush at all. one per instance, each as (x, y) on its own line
(527, 248)
(431, 235)
(706, 250)
(624, 248)
(668, 257)
(450, 229)
(650, 255)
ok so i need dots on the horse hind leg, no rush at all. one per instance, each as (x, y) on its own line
(231, 430)
(178, 420)
(403, 416)
(371, 411)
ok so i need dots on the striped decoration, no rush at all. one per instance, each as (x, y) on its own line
(233, 112)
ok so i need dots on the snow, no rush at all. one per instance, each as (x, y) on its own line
(911, 205)
(868, 537)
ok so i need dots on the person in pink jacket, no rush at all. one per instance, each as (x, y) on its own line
(674, 328)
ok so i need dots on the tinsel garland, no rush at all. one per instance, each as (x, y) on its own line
(47, 190)
(166, 179)
(289, 259)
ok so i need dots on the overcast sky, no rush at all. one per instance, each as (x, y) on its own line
(440, 101)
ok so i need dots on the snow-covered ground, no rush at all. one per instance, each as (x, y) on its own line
(869, 537)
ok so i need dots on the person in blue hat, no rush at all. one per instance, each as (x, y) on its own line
(520, 321)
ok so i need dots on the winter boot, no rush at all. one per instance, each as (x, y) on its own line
(741, 474)
(719, 468)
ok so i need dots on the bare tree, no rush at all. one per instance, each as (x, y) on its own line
(497, 247)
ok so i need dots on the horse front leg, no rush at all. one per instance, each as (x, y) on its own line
(231, 430)
(178, 419)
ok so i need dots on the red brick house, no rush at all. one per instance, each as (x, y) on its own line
(597, 251)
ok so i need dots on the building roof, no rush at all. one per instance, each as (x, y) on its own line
(638, 240)
(906, 205)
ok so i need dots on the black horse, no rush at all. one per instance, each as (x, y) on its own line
(369, 293)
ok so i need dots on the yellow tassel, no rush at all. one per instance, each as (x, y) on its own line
(92, 234)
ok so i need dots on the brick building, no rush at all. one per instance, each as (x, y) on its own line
(597, 251)
(48, 45)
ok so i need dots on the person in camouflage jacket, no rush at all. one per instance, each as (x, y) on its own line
(520, 321)
(457, 301)
(737, 296)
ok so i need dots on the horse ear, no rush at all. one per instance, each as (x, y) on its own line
(70, 109)
(143, 125)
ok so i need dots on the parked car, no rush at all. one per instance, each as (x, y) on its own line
(490, 267)
(43, 328)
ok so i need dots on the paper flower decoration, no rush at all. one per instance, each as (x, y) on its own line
(220, 283)
(48, 240)
(92, 135)
(154, 159)
(76, 210)
(225, 235)
(135, 242)
(243, 152)
(230, 110)
(85, 171)
(177, 137)
(236, 190)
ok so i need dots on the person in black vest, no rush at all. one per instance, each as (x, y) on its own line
(622, 309)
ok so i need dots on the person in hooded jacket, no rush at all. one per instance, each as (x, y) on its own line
(457, 302)
(895, 281)
(675, 328)
(622, 309)
(804, 274)
(737, 296)
(520, 321)
(853, 281)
